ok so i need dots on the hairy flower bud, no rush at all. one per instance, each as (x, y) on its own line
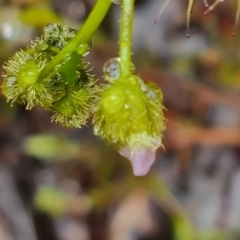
(55, 37)
(130, 115)
(21, 80)
(74, 109)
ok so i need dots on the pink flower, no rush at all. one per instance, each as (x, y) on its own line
(141, 158)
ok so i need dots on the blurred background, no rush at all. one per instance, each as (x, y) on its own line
(67, 184)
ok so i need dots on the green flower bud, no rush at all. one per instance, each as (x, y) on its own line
(55, 37)
(21, 80)
(130, 115)
(71, 74)
(75, 108)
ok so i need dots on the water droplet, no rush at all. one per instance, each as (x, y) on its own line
(111, 69)
(117, 1)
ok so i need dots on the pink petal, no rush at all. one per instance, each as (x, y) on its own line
(141, 158)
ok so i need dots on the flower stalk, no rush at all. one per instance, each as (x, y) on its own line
(125, 44)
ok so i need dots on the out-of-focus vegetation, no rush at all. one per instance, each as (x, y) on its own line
(61, 184)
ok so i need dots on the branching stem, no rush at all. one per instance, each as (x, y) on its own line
(83, 35)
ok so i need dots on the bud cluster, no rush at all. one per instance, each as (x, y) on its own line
(69, 90)
(127, 111)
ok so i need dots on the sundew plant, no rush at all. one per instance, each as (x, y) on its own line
(126, 110)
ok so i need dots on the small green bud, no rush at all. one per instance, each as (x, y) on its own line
(71, 74)
(75, 108)
(21, 80)
(130, 116)
(55, 37)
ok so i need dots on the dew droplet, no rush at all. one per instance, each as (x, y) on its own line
(111, 69)
(117, 1)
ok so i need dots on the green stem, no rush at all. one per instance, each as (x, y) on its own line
(84, 34)
(126, 37)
